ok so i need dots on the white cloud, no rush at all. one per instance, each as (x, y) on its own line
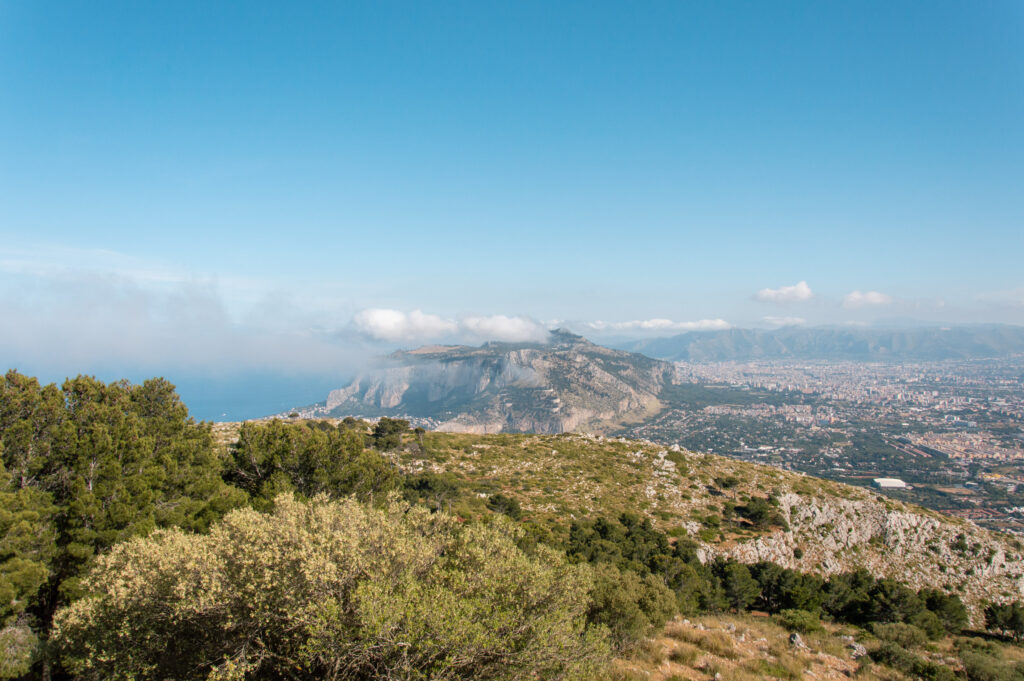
(785, 294)
(397, 326)
(855, 299)
(501, 328)
(418, 327)
(659, 324)
(784, 321)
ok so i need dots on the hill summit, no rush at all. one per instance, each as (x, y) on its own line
(565, 384)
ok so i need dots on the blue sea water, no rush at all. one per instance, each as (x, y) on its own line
(222, 397)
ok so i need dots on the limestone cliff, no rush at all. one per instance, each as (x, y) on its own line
(560, 386)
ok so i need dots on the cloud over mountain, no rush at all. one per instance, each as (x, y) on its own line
(855, 299)
(784, 321)
(419, 327)
(660, 324)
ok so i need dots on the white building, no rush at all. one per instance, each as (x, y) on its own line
(889, 483)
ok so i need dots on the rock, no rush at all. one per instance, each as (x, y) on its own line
(857, 651)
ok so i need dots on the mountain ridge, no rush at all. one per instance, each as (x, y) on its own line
(825, 343)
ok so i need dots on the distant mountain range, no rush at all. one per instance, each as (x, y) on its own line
(566, 384)
(798, 343)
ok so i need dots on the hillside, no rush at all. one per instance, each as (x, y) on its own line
(918, 344)
(829, 527)
(563, 385)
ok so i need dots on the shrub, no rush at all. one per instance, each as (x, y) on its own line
(684, 654)
(904, 635)
(799, 620)
(500, 503)
(325, 590)
(893, 655)
(19, 647)
(630, 606)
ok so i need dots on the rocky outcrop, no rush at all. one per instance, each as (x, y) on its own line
(886, 538)
(560, 386)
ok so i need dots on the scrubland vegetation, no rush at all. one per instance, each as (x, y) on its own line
(136, 543)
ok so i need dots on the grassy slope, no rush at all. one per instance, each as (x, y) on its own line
(833, 527)
(836, 527)
(747, 648)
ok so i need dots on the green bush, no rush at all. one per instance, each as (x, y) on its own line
(329, 590)
(500, 503)
(983, 661)
(905, 635)
(799, 620)
(980, 667)
(630, 607)
(892, 655)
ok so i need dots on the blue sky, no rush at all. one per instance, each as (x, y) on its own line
(195, 185)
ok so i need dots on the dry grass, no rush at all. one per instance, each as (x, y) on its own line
(718, 643)
(740, 648)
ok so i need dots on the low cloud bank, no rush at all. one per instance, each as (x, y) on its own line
(857, 299)
(659, 324)
(779, 322)
(396, 326)
(84, 322)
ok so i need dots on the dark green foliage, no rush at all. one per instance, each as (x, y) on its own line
(27, 546)
(799, 620)
(387, 433)
(727, 481)
(500, 503)
(762, 514)
(893, 655)
(948, 608)
(890, 601)
(276, 457)
(629, 605)
(739, 588)
(633, 547)
(1005, 619)
(436, 491)
(87, 465)
(785, 589)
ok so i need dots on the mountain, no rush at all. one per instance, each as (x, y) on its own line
(566, 384)
(796, 343)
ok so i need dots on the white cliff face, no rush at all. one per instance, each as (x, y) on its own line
(887, 539)
(834, 528)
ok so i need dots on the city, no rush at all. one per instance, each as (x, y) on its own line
(952, 431)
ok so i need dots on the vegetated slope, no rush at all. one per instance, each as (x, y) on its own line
(808, 524)
(918, 344)
(749, 648)
(563, 385)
